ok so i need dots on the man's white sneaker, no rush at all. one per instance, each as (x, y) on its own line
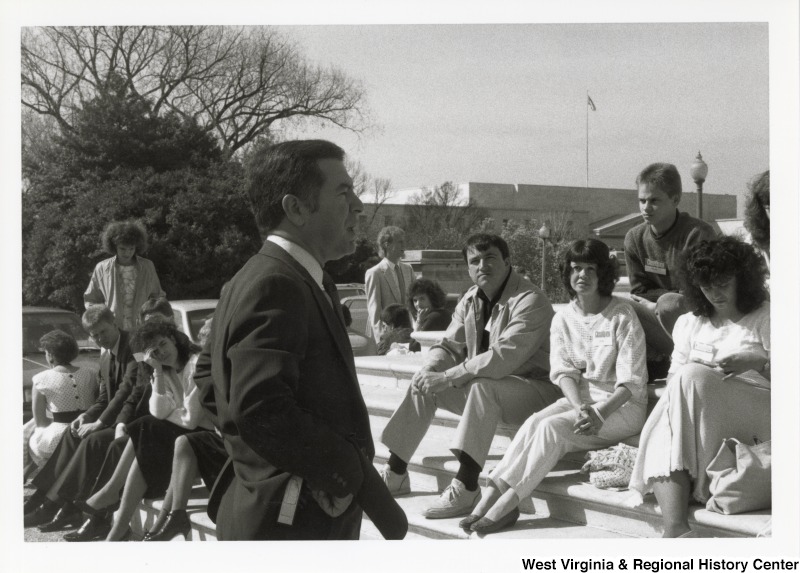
(456, 500)
(398, 484)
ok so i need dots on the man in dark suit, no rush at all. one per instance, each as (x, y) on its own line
(116, 369)
(285, 393)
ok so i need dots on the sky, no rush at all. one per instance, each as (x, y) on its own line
(508, 103)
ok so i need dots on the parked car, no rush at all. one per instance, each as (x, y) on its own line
(350, 289)
(37, 321)
(358, 311)
(191, 315)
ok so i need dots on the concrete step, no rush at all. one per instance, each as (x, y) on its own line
(528, 526)
(203, 529)
(565, 495)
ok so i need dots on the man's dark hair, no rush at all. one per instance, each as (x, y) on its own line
(96, 314)
(713, 262)
(597, 253)
(396, 316)
(662, 176)
(286, 168)
(482, 242)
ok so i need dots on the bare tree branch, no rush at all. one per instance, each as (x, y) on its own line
(235, 82)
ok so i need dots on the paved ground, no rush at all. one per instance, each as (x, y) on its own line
(33, 534)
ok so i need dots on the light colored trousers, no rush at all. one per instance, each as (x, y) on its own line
(548, 435)
(482, 404)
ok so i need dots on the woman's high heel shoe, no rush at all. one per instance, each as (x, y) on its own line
(177, 523)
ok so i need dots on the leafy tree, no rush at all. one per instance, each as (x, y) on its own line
(173, 180)
(440, 218)
(233, 82)
(526, 251)
(351, 268)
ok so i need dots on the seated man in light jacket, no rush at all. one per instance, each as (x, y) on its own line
(491, 366)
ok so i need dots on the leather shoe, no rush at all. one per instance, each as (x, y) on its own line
(41, 515)
(397, 484)
(485, 525)
(68, 516)
(177, 523)
(94, 529)
(467, 522)
(456, 500)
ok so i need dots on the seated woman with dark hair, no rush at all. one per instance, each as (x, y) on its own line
(196, 454)
(426, 301)
(398, 327)
(597, 358)
(719, 379)
(145, 466)
(756, 215)
(65, 390)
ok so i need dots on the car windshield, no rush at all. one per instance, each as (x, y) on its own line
(36, 325)
(196, 319)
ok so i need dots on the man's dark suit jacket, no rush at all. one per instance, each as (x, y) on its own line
(111, 383)
(287, 401)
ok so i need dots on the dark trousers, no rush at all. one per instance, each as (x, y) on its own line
(75, 482)
(58, 462)
(113, 455)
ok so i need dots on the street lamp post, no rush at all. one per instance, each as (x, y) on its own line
(698, 171)
(544, 235)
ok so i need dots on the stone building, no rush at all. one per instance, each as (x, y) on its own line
(593, 211)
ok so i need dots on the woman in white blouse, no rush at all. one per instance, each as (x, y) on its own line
(145, 466)
(597, 358)
(718, 383)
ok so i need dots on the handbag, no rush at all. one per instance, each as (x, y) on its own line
(740, 477)
(611, 467)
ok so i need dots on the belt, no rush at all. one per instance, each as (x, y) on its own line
(66, 417)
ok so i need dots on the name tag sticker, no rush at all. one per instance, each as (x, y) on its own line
(703, 353)
(602, 338)
(656, 267)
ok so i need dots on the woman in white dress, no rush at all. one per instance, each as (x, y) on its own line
(718, 383)
(65, 390)
(597, 358)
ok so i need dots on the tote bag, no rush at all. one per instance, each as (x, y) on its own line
(740, 477)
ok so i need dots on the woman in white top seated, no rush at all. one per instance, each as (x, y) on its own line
(719, 378)
(597, 357)
(146, 464)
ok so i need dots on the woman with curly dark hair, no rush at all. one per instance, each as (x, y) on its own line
(145, 466)
(718, 383)
(126, 280)
(756, 215)
(426, 301)
(597, 358)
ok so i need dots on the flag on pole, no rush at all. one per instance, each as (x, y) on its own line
(590, 102)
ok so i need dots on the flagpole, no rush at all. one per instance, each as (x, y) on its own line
(587, 137)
